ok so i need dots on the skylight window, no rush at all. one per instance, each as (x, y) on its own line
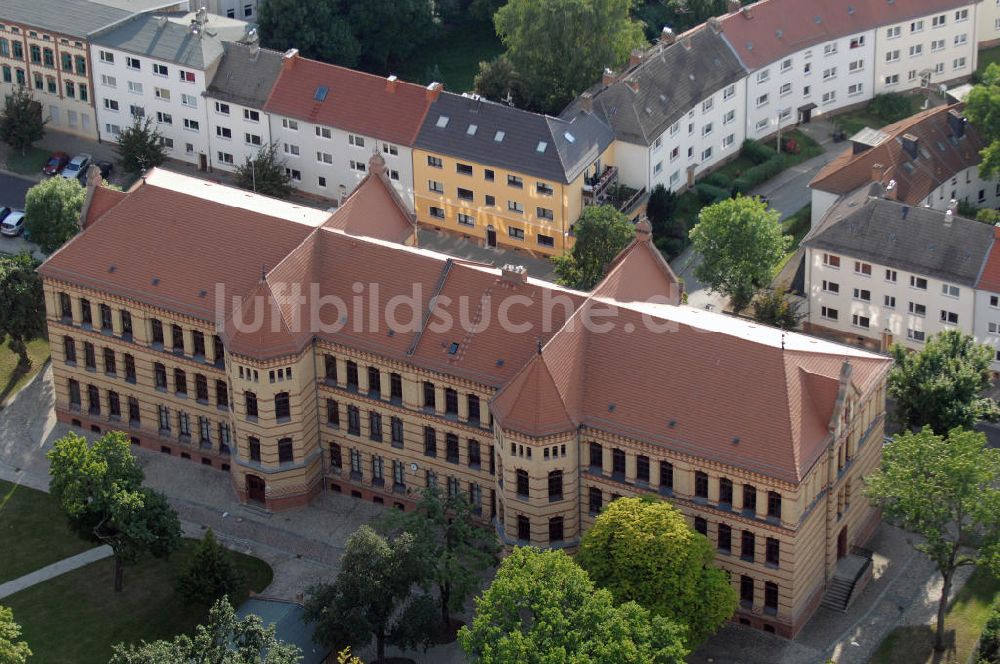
(453, 348)
(541, 146)
(471, 131)
(569, 137)
(442, 121)
(499, 136)
(321, 92)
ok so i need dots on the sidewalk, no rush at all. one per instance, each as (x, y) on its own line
(54, 570)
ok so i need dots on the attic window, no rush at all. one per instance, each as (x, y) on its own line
(850, 9)
(471, 131)
(499, 136)
(569, 137)
(321, 92)
(500, 363)
(112, 268)
(736, 440)
(442, 121)
(541, 146)
(818, 20)
(156, 281)
(453, 348)
(611, 407)
(202, 293)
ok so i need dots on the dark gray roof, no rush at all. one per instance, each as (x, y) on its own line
(76, 18)
(245, 75)
(170, 38)
(543, 146)
(915, 239)
(643, 102)
(289, 623)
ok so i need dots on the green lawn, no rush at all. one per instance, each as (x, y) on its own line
(13, 376)
(33, 531)
(797, 226)
(28, 164)
(988, 57)
(967, 616)
(77, 617)
(457, 54)
(854, 121)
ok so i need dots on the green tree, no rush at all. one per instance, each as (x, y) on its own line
(210, 574)
(457, 550)
(390, 31)
(940, 385)
(498, 81)
(740, 243)
(982, 107)
(12, 651)
(99, 489)
(642, 550)
(542, 607)
(945, 489)
(139, 148)
(560, 47)
(52, 212)
(601, 233)
(660, 210)
(224, 639)
(265, 173)
(21, 123)
(318, 28)
(988, 216)
(372, 596)
(772, 307)
(22, 303)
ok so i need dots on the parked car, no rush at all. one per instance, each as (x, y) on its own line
(4, 211)
(57, 161)
(77, 166)
(106, 168)
(13, 223)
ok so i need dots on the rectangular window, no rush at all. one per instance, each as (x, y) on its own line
(700, 485)
(863, 268)
(949, 317)
(353, 420)
(375, 426)
(397, 432)
(132, 63)
(829, 313)
(595, 501)
(515, 233)
(515, 181)
(430, 442)
(860, 321)
(748, 543)
(918, 282)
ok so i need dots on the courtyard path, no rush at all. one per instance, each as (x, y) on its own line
(54, 570)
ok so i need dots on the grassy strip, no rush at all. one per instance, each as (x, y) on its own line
(13, 375)
(77, 617)
(966, 618)
(27, 164)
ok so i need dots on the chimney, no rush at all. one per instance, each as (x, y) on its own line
(376, 163)
(878, 172)
(608, 77)
(667, 36)
(733, 6)
(632, 84)
(390, 83)
(715, 24)
(587, 102)
(910, 145)
(875, 190)
(747, 12)
(643, 230)
(948, 216)
(434, 90)
(952, 207)
(514, 274)
(635, 57)
(891, 191)
(93, 182)
(686, 42)
(956, 123)
(288, 57)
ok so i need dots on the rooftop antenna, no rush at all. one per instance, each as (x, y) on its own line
(538, 341)
(263, 271)
(509, 100)
(782, 340)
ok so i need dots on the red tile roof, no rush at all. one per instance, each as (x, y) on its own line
(639, 272)
(941, 156)
(990, 278)
(355, 101)
(769, 30)
(374, 209)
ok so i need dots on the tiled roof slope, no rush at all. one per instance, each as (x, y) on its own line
(767, 31)
(704, 384)
(649, 97)
(245, 75)
(490, 133)
(354, 101)
(171, 39)
(374, 209)
(76, 18)
(941, 154)
(990, 278)
(639, 273)
(915, 239)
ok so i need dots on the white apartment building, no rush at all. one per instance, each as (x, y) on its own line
(926, 51)
(678, 110)
(988, 24)
(245, 10)
(160, 67)
(238, 127)
(879, 271)
(986, 325)
(327, 121)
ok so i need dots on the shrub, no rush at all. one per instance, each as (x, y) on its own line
(709, 194)
(988, 216)
(756, 152)
(720, 180)
(210, 574)
(891, 107)
(754, 175)
(989, 642)
(672, 246)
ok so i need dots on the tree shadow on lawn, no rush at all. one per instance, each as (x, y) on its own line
(914, 644)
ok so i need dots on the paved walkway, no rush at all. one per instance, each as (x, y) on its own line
(54, 570)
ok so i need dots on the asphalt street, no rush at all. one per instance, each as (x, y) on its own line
(13, 189)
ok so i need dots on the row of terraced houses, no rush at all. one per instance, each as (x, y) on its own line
(499, 175)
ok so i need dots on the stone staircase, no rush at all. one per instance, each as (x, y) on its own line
(852, 573)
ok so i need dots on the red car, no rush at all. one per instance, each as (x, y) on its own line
(56, 163)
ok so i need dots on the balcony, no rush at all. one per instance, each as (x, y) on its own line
(595, 188)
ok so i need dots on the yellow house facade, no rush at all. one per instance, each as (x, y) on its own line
(507, 177)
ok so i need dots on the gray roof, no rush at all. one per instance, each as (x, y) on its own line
(245, 75)
(289, 625)
(568, 145)
(915, 239)
(76, 18)
(643, 102)
(170, 38)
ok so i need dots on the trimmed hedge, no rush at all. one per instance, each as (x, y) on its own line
(757, 152)
(710, 194)
(755, 175)
(989, 642)
(719, 179)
